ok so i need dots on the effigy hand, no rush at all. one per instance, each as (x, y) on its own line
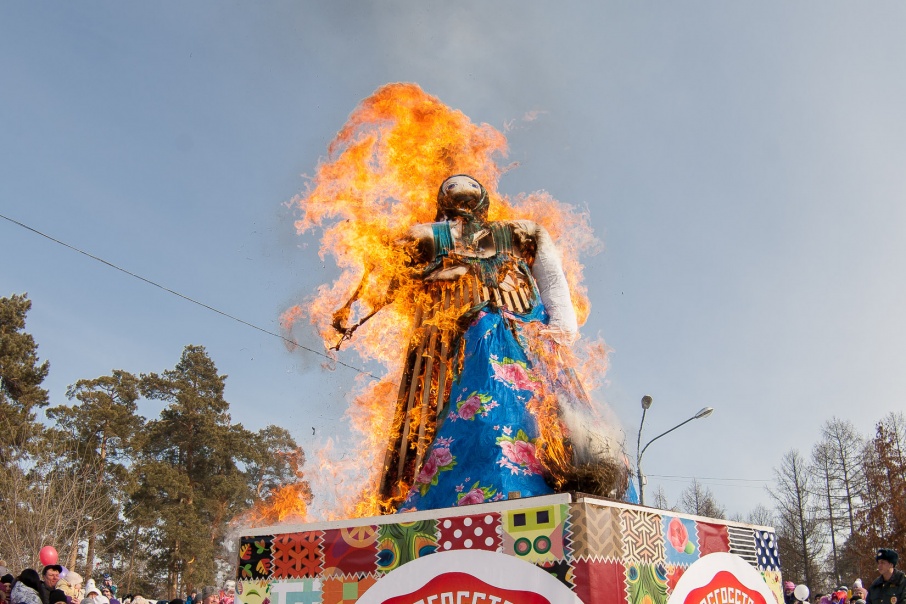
(561, 336)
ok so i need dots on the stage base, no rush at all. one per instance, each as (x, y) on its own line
(603, 552)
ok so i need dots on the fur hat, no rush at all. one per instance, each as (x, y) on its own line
(208, 591)
(888, 554)
(56, 595)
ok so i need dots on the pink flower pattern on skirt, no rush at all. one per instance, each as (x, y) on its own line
(476, 404)
(471, 498)
(469, 407)
(514, 373)
(519, 454)
(477, 494)
(438, 461)
(485, 447)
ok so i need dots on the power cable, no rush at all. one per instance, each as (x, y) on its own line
(713, 481)
(706, 478)
(717, 484)
(184, 297)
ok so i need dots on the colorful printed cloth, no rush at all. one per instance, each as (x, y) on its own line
(484, 449)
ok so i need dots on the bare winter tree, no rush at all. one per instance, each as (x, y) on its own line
(825, 480)
(846, 445)
(51, 503)
(761, 516)
(699, 500)
(838, 478)
(660, 499)
(799, 529)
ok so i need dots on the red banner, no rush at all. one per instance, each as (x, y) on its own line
(468, 577)
(724, 588)
(462, 588)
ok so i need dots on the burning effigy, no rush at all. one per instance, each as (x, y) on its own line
(471, 301)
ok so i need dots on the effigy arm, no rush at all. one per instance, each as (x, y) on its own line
(412, 243)
(341, 315)
(547, 270)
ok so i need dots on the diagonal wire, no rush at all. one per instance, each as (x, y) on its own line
(187, 298)
(713, 482)
(708, 478)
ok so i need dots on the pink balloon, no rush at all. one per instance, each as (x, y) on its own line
(48, 555)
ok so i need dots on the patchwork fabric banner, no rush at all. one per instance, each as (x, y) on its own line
(601, 551)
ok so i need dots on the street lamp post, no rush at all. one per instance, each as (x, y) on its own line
(646, 403)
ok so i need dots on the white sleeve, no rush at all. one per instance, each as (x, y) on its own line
(548, 273)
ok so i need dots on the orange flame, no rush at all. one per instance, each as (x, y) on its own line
(285, 503)
(281, 502)
(381, 176)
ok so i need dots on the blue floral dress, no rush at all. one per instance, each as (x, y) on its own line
(485, 445)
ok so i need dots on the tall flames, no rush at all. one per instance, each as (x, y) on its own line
(380, 177)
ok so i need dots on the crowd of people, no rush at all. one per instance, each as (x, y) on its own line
(57, 585)
(888, 588)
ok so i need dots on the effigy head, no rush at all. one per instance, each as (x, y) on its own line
(462, 195)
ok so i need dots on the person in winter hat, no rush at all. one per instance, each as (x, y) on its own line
(788, 596)
(890, 586)
(91, 593)
(210, 595)
(71, 585)
(57, 596)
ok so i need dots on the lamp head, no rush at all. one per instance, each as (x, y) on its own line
(646, 402)
(704, 412)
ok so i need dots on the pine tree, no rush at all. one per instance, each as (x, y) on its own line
(197, 471)
(99, 431)
(21, 375)
(274, 469)
(46, 492)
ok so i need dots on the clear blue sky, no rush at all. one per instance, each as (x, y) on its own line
(743, 164)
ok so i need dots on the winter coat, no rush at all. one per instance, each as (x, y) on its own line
(23, 594)
(888, 592)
